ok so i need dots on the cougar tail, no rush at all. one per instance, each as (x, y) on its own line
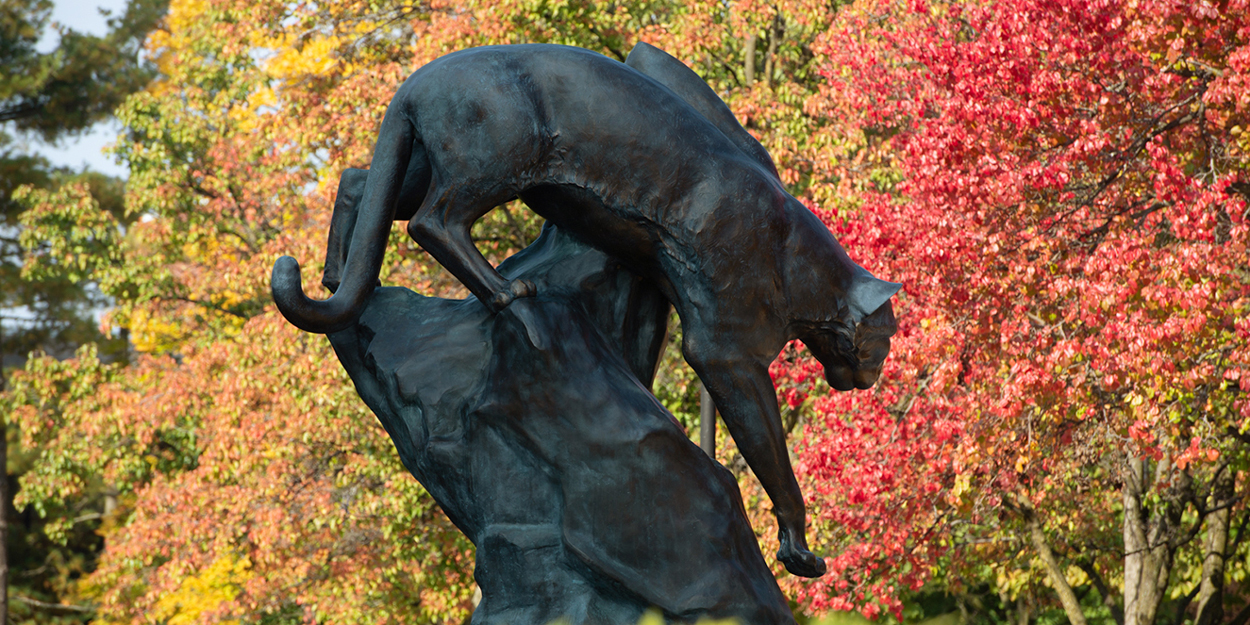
(368, 246)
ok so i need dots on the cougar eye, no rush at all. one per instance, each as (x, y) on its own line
(874, 351)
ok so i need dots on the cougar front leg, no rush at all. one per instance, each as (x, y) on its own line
(744, 393)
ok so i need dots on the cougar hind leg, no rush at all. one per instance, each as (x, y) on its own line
(442, 226)
(346, 205)
(342, 225)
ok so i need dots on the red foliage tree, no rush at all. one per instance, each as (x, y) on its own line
(1062, 187)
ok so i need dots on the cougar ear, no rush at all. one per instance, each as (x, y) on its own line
(867, 294)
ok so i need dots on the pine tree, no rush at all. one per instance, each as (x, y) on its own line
(49, 96)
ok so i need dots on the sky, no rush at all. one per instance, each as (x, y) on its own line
(83, 16)
(84, 150)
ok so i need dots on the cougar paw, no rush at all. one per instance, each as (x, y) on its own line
(514, 290)
(798, 560)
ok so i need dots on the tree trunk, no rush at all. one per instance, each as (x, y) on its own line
(707, 422)
(1148, 549)
(1057, 577)
(5, 503)
(110, 501)
(1023, 612)
(770, 61)
(1215, 550)
(748, 63)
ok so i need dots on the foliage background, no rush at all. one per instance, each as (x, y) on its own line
(1061, 431)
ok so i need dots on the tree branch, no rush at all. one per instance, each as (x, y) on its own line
(1108, 599)
(1057, 578)
(1183, 605)
(208, 305)
(53, 606)
(1242, 616)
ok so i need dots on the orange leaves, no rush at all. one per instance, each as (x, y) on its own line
(289, 474)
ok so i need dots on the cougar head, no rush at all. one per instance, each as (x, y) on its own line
(853, 349)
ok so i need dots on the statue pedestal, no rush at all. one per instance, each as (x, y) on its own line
(585, 499)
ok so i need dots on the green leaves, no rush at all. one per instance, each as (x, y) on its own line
(70, 236)
(79, 83)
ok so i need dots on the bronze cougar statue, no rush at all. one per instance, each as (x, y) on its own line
(643, 161)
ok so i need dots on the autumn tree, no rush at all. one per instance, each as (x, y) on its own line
(49, 96)
(1062, 187)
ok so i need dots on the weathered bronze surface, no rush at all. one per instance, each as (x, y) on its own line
(641, 164)
(585, 499)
